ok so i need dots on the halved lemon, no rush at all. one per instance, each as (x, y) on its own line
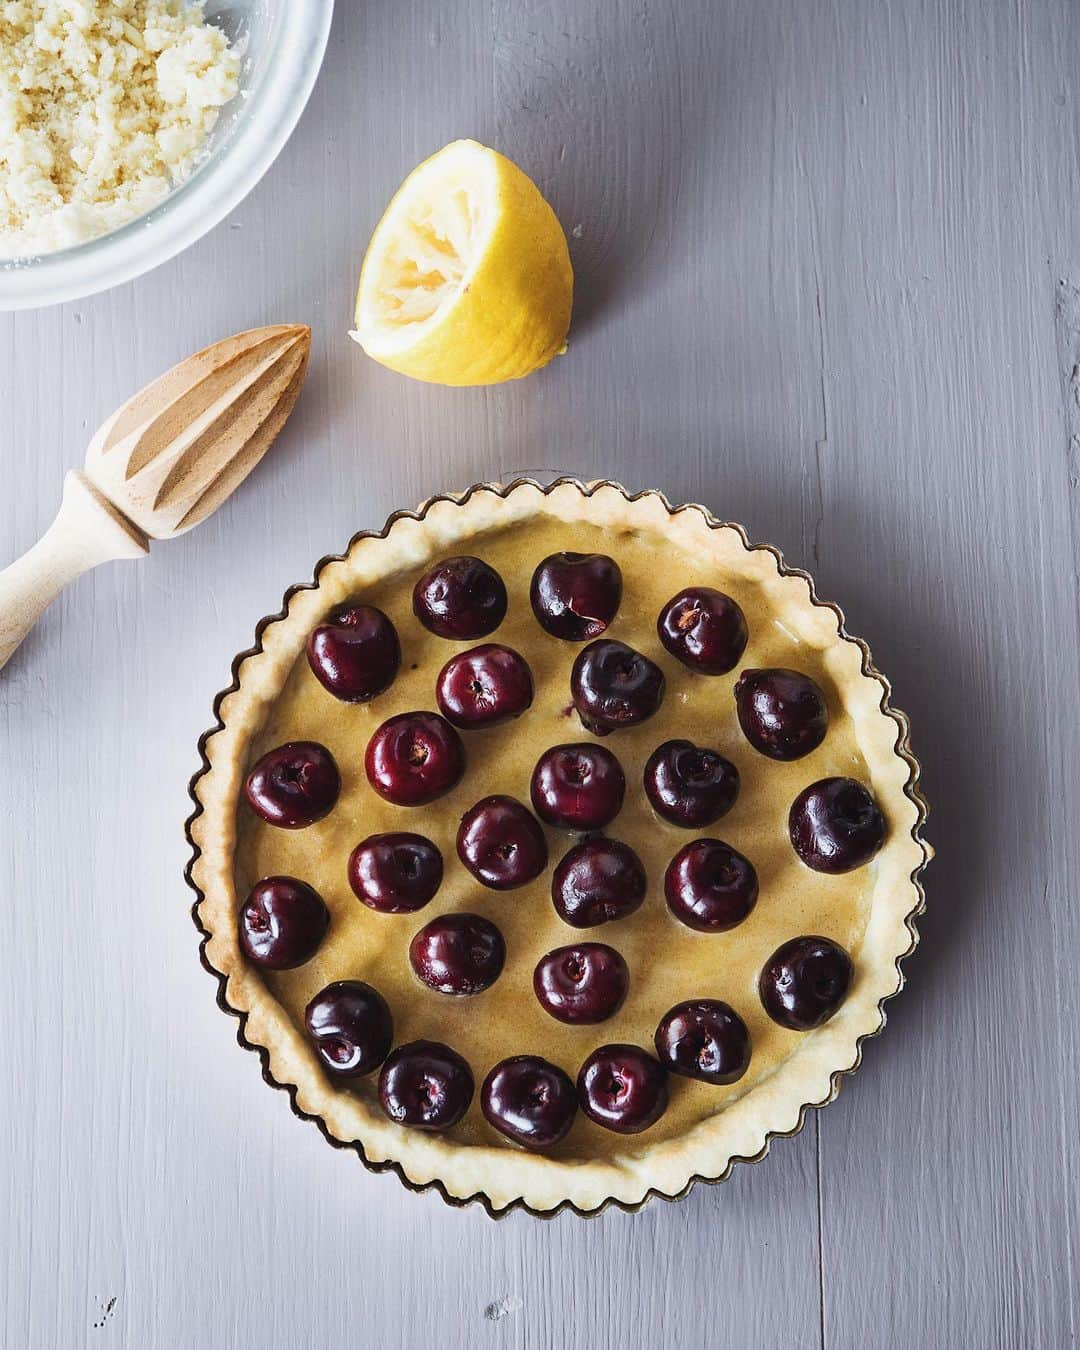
(467, 279)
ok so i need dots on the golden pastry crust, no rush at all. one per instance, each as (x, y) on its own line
(871, 911)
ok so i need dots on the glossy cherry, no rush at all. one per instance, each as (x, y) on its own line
(351, 1027)
(581, 984)
(484, 686)
(458, 954)
(836, 825)
(354, 652)
(706, 1039)
(576, 595)
(395, 873)
(688, 785)
(614, 686)
(426, 1085)
(709, 886)
(501, 843)
(704, 629)
(623, 1088)
(294, 785)
(529, 1100)
(460, 598)
(598, 880)
(578, 787)
(282, 923)
(414, 758)
(805, 981)
(783, 714)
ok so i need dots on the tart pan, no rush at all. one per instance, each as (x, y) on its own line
(495, 505)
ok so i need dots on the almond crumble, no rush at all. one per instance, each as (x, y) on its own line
(104, 106)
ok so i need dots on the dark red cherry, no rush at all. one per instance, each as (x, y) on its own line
(354, 652)
(351, 1027)
(614, 686)
(623, 1088)
(783, 714)
(458, 954)
(690, 786)
(835, 825)
(460, 598)
(704, 1038)
(805, 981)
(426, 1085)
(576, 595)
(529, 1100)
(294, 785)
(582, 984)
(395, 873)
(709, 886)
(600, 879)
(578, 787)
(704, 629)
(501, 843)
(484, 686)
(414, 758)
(282, 923)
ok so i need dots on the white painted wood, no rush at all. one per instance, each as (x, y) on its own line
(827, 263)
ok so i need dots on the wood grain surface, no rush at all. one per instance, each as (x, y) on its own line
(828, 283)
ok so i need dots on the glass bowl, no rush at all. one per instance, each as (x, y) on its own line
(283, 42)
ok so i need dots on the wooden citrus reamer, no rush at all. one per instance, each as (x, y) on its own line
(160, 464)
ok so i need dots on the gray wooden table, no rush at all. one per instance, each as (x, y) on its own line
(828, 283)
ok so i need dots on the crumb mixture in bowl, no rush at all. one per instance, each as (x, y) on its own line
(104, 106)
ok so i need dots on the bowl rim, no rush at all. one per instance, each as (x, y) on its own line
(197, 204)
(912, 789)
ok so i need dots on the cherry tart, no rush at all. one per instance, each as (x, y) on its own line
(557, 847)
